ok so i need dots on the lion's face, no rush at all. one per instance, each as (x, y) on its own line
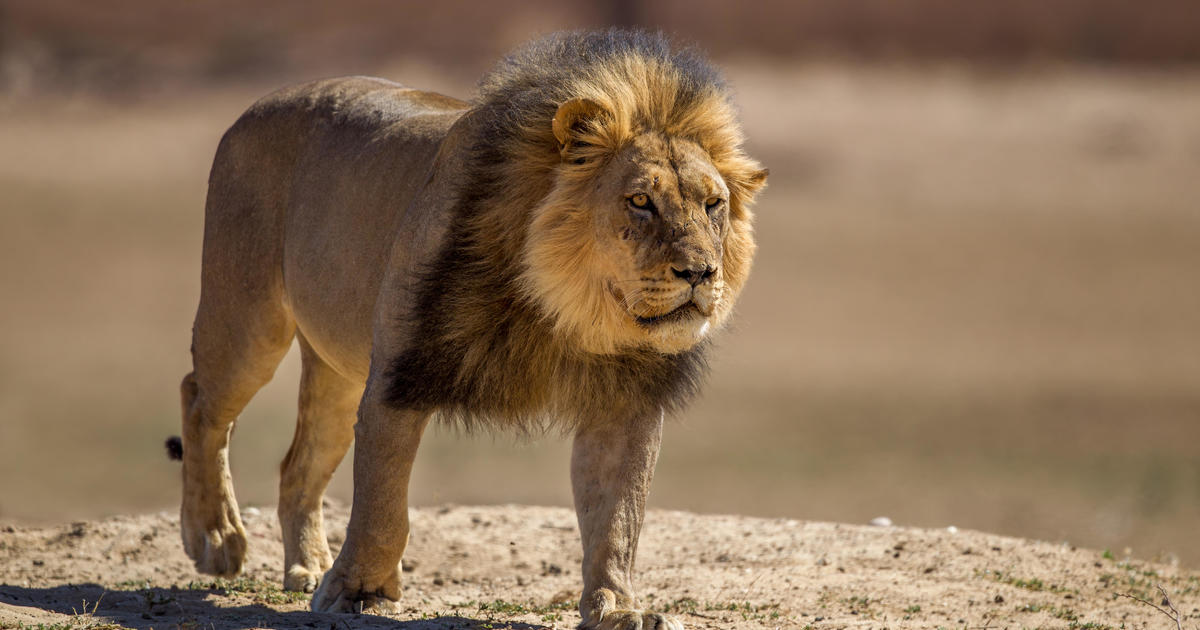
(660, 213)
(644, 246)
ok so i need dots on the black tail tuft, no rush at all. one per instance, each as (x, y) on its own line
(175, 447)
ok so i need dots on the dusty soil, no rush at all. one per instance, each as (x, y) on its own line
(517, 567)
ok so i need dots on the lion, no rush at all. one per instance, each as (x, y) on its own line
(555, 254)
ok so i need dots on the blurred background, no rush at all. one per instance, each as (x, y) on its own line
(977, 299)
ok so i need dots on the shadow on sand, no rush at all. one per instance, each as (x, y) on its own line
(92, 605)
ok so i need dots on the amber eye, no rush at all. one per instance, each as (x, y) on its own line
(641, 201)
(712, 203)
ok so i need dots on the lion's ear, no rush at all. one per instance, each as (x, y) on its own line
(757, 180)
(745, 184)
(749, 180)
(572, 117)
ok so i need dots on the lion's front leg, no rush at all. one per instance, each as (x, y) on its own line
(612, 464)
(365, 577)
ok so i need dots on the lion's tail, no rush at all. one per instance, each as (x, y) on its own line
(174, 446)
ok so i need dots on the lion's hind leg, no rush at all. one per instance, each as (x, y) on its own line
(212, 398)
(324, 432)
(237, 343)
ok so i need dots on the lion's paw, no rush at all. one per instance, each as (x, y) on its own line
(340, 591)
(217, 547)
(634, 620)
(300, 579)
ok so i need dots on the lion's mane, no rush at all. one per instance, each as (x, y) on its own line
(486, 346)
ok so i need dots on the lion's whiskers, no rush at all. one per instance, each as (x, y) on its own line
(632, 297)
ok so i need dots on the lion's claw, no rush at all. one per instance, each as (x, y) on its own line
(634, 620)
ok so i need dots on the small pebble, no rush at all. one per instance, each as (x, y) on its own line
(881, 521)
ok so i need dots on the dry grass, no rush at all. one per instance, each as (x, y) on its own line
(975, 304)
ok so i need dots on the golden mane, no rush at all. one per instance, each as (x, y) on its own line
(484, 321)
(643, 86)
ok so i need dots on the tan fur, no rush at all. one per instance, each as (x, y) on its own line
(431, 262)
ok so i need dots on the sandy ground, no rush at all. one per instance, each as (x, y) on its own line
(517, 567)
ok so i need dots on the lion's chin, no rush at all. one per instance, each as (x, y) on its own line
(677, 330)
(681, 314)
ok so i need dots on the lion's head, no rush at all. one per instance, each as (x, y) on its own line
(644, 237)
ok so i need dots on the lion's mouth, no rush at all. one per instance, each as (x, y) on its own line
(684, 311)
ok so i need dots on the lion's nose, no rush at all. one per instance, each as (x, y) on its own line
(694, 275)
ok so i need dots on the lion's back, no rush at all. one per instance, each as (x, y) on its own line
(354, 101)
(290, 120)
(318, 175)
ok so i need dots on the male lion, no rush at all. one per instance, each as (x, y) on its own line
(554, 254)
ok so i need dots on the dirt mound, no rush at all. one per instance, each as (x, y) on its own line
(517, 567)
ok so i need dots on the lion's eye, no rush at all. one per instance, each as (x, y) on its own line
(712, 203)
(641, 201)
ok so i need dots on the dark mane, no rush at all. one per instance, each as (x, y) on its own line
(482, 352)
